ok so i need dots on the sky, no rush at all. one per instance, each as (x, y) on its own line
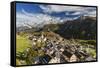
(39, 14)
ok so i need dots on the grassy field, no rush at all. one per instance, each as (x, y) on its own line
(22, 43)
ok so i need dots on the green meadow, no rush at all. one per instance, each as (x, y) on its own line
(22, 43)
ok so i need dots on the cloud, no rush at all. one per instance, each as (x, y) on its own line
(39, 19)
(60, 8)
(76, 13)
(35, 19)
(26, 13)
(53, 8)
(92, 14)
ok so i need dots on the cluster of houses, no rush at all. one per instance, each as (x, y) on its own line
(57, 52)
